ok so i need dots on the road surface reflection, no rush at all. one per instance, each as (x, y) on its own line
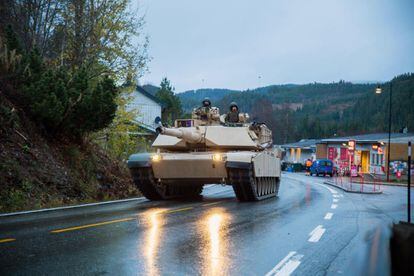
(154, 220)
(213, 227)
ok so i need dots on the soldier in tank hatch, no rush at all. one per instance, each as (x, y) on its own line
(233, 115)
(204, 110)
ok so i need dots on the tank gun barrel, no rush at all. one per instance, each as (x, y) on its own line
(188, 135)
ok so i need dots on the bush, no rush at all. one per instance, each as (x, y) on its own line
(68, 104)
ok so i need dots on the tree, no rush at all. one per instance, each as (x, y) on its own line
(120, 139)
(104, 36)
(67, 104)
(67, 57)
(171, 103)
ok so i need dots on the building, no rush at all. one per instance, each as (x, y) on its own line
(370, 155)
(300, 151)
(148, 106)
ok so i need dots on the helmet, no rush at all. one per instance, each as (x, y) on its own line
(234, 104)
(206, 102)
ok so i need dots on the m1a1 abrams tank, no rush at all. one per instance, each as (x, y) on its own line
(196, 152)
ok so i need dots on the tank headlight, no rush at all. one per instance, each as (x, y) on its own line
(217, 157)
(156, 157)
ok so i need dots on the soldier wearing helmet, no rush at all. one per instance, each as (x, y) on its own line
(204, 110)
(206, 102)
(233, 115)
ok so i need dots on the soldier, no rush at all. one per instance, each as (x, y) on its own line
(233, 115)
(204, 110)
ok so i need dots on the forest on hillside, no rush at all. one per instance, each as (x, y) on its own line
(318, 110)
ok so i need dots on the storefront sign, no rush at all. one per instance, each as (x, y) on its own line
(354, 171)
(331, 153)
(344, 154)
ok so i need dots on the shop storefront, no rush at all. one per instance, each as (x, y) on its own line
(368, 154)
(361, 157)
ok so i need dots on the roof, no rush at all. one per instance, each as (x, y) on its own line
(148, 95)
(303, 144)
(370, 138)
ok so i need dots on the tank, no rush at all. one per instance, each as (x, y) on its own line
(196, 152)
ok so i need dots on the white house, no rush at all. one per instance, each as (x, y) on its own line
(148, 106)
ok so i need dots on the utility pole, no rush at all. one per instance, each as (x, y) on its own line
(409, 184)
(389, 135)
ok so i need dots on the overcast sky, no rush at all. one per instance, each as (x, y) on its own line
(240, 44)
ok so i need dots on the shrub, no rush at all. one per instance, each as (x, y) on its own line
(68, 104)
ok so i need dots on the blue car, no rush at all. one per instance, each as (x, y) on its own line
(322, 166)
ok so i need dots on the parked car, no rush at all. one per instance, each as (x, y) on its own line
(322, 166)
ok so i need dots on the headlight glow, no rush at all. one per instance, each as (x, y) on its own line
(156, 157)
(217, 157)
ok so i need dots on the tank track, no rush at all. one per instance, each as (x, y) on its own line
(146, 183)
(250, 188)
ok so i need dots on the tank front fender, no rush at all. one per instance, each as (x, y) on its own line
(239, 160)
(139, 160)
(238, 165)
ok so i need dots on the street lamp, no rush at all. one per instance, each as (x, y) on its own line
(378, 90)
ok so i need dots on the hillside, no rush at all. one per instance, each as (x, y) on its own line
(317, 110)
(190, 99)
(278, 95)
(152, 89)
(36, 172)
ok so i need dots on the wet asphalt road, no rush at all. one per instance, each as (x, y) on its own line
(310, 229)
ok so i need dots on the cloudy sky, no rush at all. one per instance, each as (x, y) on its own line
(242, 44)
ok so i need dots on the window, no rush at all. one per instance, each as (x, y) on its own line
(377, 159)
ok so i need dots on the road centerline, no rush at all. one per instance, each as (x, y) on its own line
(334, 206)
(287, 265)
(91, 225)
(328, 216)
(79, 227)
(316, 234)
(210, 204)
(7, 240)
(177, 210)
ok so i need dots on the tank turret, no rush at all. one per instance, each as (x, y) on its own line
(188, 132)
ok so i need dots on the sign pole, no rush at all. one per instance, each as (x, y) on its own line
(409, 184)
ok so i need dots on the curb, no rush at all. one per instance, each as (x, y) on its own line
(72, 207)
(351, 191)
(386, 184)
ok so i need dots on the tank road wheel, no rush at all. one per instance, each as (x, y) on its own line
(250, 188)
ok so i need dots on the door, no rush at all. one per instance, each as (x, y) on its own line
(365, 161)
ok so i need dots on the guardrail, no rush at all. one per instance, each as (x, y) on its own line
(361, 180)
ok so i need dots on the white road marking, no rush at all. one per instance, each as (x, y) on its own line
(137, 199)
(333, 206)
(316, 233)
(336, 195)
(328, 216)
(330, 189)
(335, 200)
(287, 265)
